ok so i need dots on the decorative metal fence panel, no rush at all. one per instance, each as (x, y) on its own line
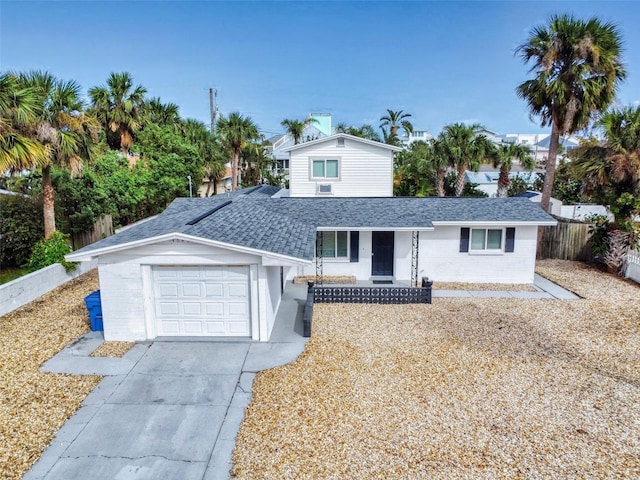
(383, 295)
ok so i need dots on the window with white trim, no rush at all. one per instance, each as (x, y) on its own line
(328, 168)
(486, 239)
(334, 244)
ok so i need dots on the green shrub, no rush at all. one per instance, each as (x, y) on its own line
(48, 252)
(21, 227)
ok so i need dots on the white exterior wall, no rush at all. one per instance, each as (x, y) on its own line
(364, 170)
(362, 268)
(440, 258)
(127, 294)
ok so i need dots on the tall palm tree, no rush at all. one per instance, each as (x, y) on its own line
(63, 128)
(392, 122)
(118, 106)
(438, 162)
(295, 128)
(18, 109)
(577, 69)
(503, 158)
(466, 148)
(236, 131)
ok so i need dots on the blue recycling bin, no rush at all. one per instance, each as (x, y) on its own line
(94, 306)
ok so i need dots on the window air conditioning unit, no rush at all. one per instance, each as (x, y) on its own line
(324, 188)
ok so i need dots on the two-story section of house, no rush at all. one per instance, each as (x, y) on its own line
(341, 165)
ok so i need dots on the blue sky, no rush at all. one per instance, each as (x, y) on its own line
(443, 62)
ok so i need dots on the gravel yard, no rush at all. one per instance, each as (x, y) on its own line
(461, 389)
(500, 287)
(34, 405)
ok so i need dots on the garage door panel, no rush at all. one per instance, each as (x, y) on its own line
(191, 290)
(238, 290)
(214, 309)
(168, 290)
(170, 327)
(237, 309)
(169, 308)
(201, 301)
(189, 308)
(214, 289)
(192, 328)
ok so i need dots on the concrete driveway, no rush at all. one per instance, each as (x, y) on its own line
(166, 410)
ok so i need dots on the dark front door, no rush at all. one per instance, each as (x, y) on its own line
(382, 254)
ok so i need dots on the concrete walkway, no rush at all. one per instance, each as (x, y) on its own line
(545, 289)
(166, 410)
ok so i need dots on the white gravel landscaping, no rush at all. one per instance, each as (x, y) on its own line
(466, 388)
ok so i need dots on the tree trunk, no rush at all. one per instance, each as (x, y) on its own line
(210, 182)
(550, 168)
(440, 174)
(234, 171)
(460, 179)
(503, 182)
(47, 203)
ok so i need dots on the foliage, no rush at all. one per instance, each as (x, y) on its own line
(48, 252)
(20, 228)
(599, 226)
(118, 106)
(79, 201)
(464, 147)
(392, 122)
(503, 157)
(567, 185)
(296, 128)
(577, 69)
(413, 175)
(236, 132)
(363, 131)
(610, 169)
(470, 189)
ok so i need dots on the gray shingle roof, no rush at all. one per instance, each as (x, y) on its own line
(287, 226)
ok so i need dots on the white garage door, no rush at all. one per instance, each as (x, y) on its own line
(202, 301)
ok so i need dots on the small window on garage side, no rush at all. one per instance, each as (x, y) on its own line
(486, 239)
(332, 244)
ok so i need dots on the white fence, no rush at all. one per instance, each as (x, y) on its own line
(632, 269)
(23, 290)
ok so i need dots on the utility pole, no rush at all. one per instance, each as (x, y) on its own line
(213, 93)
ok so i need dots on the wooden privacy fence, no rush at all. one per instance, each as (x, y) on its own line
(102, 228)
(568, 240)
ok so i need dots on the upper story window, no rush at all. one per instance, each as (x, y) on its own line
(325, 169)
(486, 239)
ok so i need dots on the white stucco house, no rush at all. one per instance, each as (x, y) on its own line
(217, 266)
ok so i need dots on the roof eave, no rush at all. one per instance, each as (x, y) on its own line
(75, 257)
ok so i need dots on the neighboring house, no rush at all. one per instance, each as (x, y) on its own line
(539, 143)
(415, 136)
(217, 266)
(555, 205)
(487, 181)
(223, 185)
(320, 128)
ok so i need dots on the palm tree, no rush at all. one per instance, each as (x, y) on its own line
(391, 123)
(503, 157)
(438, 162)
(363, 131)
(236, 132)
(295, 128)
(577, 70)
(118, 107)
(613, 166)
(63, 129)
(18, 109)
(163, 114)
(465, 148)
